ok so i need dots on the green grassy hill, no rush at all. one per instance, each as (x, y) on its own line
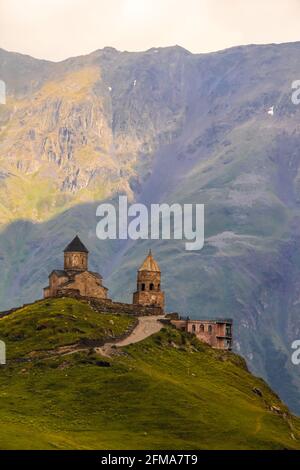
(167, 126)
(168, 392)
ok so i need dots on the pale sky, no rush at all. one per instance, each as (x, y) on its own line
(57, 29)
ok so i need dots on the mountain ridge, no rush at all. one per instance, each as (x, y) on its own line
(153, 48)
(163, 127)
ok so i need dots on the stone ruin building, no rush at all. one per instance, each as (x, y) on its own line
(217, 333)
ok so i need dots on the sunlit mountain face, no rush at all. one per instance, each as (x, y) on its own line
(169, 126)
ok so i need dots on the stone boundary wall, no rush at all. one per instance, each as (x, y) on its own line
(101, 306)
(109, 306)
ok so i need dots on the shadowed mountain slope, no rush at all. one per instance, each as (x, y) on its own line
(163, 126)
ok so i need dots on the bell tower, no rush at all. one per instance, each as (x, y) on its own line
(76, 256)
(148, 284)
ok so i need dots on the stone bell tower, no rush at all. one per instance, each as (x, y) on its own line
(148, 284)
(76, 256)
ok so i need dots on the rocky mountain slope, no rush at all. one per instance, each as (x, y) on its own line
(163, 125)
(169, 391)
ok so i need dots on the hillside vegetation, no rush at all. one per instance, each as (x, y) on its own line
(164, 126)
(168, 392)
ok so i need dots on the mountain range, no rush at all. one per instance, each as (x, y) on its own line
(168, 126)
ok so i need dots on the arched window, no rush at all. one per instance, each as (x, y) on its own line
(193, 328)
(202, 328)
(151, 286)
(158, 287)
(210, 329)
(143, 286)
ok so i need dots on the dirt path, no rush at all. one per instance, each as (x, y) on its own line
(147, 326)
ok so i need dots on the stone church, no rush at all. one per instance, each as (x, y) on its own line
(75, 278)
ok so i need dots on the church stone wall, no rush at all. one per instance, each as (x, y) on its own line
(76, 261)
(149, 298)
(88, 285)
(54, 283)
(148, 289)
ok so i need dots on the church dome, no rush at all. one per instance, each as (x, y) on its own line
(76, 246)
(150, 264)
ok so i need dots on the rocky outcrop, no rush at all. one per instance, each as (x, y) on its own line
(163, 126)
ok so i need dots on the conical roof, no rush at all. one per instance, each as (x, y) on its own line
(76, 245)
(150, 264)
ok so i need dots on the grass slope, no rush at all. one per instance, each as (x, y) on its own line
(168, 392)
(54, 323)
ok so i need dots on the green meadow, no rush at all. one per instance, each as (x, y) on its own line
(169, 391)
